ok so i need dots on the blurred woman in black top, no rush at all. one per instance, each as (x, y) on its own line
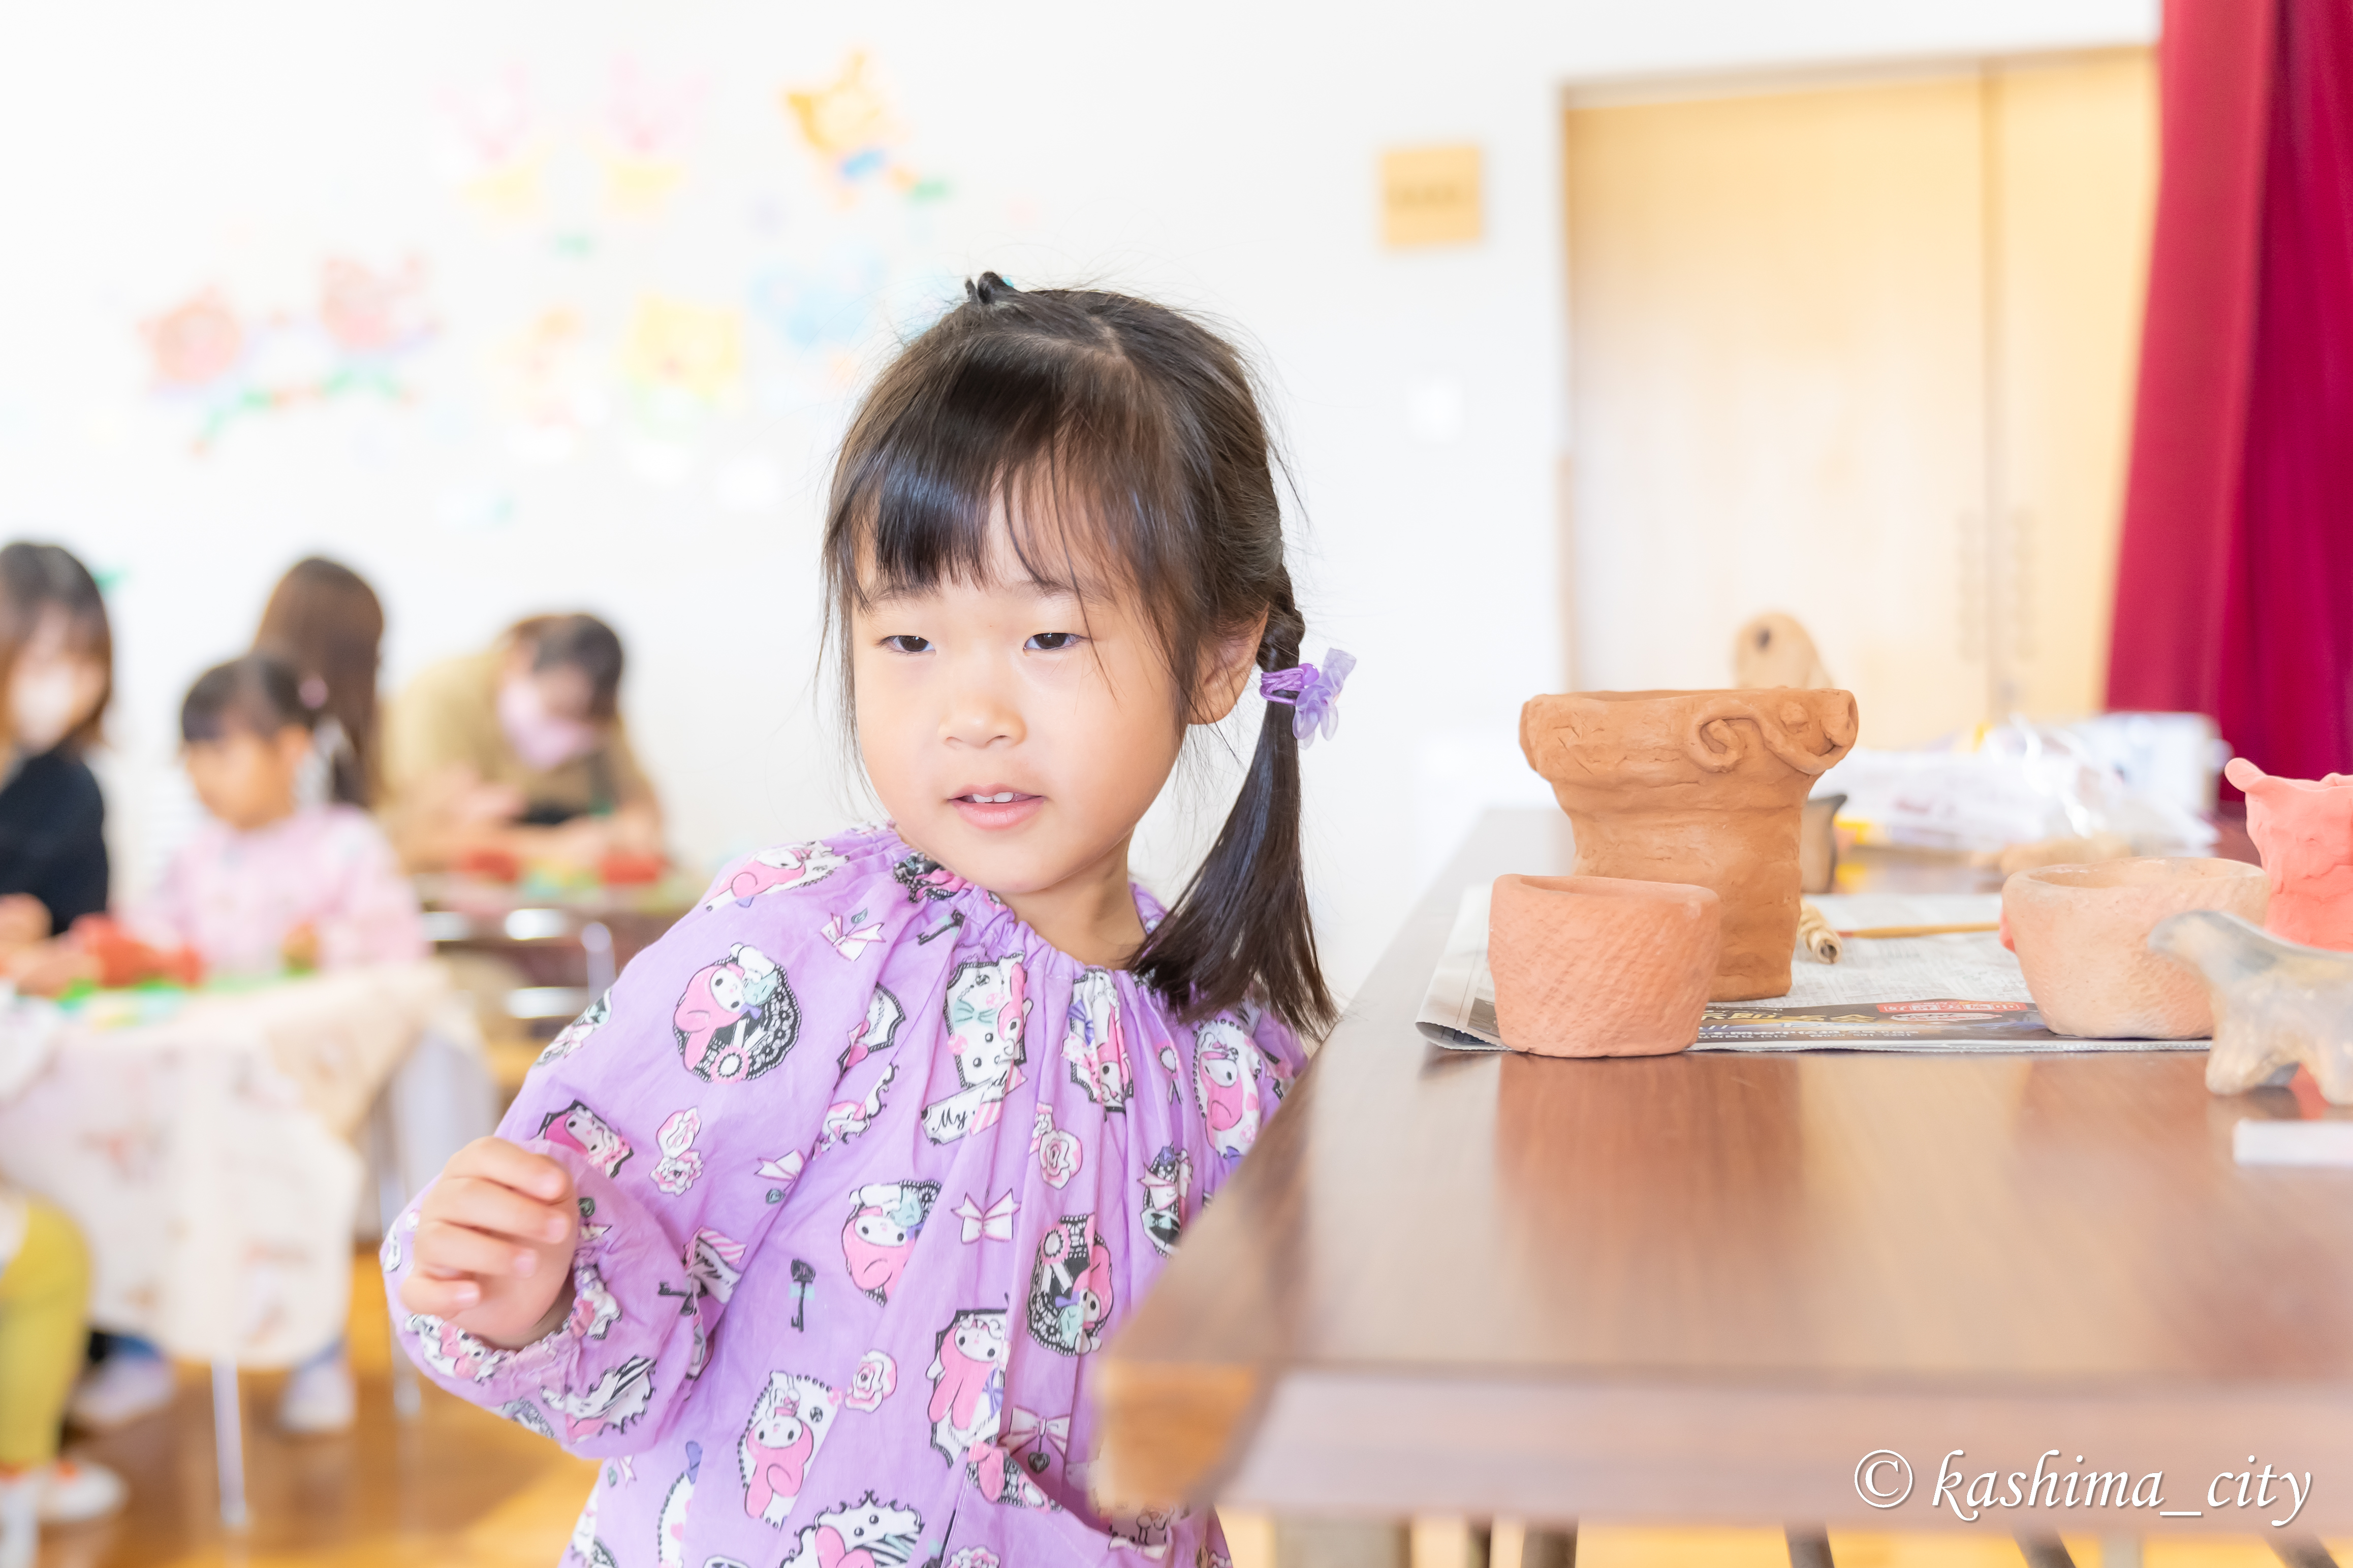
(56, 670)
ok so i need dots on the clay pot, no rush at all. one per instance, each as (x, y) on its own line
(1702, 787)
(2081, 932)
(2304, 830)
(1597, 966)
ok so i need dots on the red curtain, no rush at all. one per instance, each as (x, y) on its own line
(2234, 588)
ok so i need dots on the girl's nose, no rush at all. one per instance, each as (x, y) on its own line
(981, 713)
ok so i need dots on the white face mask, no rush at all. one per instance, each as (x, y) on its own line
(542, 739)
(45, 700)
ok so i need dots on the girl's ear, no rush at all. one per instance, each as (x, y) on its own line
(1228, 676)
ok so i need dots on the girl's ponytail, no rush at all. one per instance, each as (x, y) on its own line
(1242, 933)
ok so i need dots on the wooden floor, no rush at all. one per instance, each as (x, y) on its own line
(459, 1488)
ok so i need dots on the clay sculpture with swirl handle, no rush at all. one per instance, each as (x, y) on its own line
(1705, 787)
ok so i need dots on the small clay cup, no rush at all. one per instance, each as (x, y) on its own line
(1600, 966)
(2081, 932)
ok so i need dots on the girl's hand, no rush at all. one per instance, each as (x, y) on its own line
(24, 920)
(48, 967)
(494, 1244)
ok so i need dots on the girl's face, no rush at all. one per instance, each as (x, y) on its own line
(1013, 734)
(244, 780)
(53, 689)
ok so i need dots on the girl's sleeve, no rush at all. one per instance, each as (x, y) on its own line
(376, 919)
(679, 1177)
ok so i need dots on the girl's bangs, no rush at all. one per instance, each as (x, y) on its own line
(1074, 496)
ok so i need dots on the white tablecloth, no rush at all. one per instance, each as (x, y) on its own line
(208, 1157)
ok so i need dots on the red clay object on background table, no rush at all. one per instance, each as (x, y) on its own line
(2304, 830)
(1600, 966)
(1701, 787)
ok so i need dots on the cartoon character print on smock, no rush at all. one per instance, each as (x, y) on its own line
(1167, 1182)
(1071, 1289)
(1225, 1080)
(967, 1382)
(1096, 1041)
(790, 1421)
(987, 1008)
(864, 1280)
(777, 870)
(885, 1218)
(868, 1533)
(579, 1128)
(737, 1018)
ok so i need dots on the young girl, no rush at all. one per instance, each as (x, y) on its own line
(809, 1228)
(270, 883)
(267, 885)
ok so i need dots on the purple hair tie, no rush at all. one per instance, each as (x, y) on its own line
(1314, 693)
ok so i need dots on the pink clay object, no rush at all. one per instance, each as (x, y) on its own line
(1601, 966)
(2304, 830)
(2080, 933)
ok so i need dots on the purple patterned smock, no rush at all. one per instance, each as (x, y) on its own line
(866, 1170)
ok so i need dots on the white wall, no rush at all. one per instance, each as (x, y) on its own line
(1221, 155)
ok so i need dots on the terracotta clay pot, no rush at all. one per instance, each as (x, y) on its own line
(1702, 787)
(2081, 932)
(1597, 966)
(2304, 830)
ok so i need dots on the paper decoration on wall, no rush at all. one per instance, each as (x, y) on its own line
(849, 126)
(647, 119)
(824, 306)
(682, 359)
(355, 337)
(547, 382)
(499, 143)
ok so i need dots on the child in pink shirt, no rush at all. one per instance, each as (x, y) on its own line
(269, 884)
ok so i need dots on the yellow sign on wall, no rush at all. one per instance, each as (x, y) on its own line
(1430, 195)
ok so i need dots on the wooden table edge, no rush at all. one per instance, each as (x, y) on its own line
(1345, 1442)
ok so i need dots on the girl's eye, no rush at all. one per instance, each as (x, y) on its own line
(1050, 642)
(907, 642)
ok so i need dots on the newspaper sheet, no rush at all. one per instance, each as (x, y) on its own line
(1956, 993)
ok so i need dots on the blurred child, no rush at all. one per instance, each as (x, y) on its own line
(44, 1296)
(324, 620)
(56, 671)
(270, 883)
(267, 885)
(44, 1288)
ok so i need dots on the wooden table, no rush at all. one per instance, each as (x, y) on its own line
(1710, 1287)
(555, 949)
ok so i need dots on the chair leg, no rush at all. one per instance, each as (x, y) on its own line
(1552, 1546)
(228, 1445)
(2301, 1552)
(1810, 1547)
(2045, 1551)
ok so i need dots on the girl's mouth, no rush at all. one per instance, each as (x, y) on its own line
(996, 809)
